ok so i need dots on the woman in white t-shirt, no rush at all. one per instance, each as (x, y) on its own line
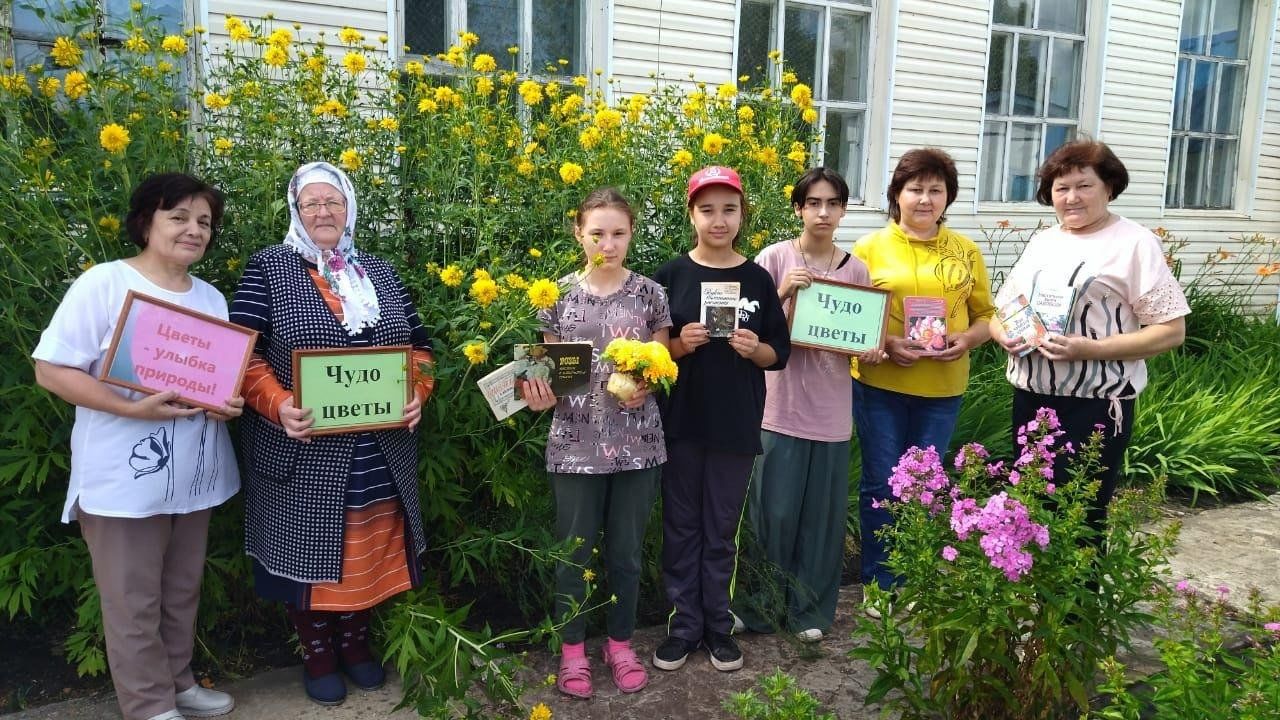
(1102, 284)
(146, 472)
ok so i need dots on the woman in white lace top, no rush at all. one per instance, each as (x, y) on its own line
(1105, 291)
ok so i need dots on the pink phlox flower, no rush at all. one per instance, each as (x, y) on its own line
(1049, 417)
(1070, 448)
(918, 471)
(1274, 628)
(1099, 427)
(1184, 587)
(1014, 477)
(1006, 528)
(926, 498)
(971, 452)
(949, 554)
(995, 468)
(1223, 590)
(1050, 488)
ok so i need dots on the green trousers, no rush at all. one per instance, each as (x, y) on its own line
(617, 505)
(796, 506)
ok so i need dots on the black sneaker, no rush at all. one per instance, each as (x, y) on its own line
(672, 653)
(724, 652)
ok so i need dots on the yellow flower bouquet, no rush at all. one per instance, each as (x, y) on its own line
(635, 362)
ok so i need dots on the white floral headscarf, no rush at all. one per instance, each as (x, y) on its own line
(338, 266)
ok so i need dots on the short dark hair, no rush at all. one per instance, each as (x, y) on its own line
(800, 192)
(605, 197)
(923, 163)
(162, 191)
(1078, 155)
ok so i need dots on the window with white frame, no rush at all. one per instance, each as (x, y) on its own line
(549, 33)
(826, 43)
(36, 25)
(1209, 96)
(1034, 72)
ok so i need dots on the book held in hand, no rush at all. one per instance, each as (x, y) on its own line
(1053, 304)
(719, 311)
(566, 366)
(925, 322)
(1020, 320)
(499, 389)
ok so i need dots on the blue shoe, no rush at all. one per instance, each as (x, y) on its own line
(326, 689)
(367, 675)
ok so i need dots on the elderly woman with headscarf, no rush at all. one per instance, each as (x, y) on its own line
(333, 522)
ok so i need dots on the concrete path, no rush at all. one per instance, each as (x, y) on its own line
(1236, 546)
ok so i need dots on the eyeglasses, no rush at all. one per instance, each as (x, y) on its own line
(313, 208)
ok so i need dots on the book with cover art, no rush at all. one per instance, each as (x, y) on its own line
(1053, 304)
(565, 365)
(719, 310)
(1019, 320)
(499, 388)
(925, 322)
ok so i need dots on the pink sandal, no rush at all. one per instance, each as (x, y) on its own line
(576, 670)
(629, 674)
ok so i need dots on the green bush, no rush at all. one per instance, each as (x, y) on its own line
(776, 697)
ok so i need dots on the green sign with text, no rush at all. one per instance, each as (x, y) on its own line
(353, 389)
(839, 317)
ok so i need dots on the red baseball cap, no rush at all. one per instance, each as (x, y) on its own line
(713, 175)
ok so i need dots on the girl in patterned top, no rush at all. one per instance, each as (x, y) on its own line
(603, 456)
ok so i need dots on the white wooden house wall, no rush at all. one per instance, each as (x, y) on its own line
(929, 69)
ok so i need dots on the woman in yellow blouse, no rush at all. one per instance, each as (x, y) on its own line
(937, 275)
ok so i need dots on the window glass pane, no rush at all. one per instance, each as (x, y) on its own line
(1230, 100)
(1062, 15)
(28, 23)
(1028, 88)
(1024, 151)
(1012, 12)
(800, 42)
(168, 12)
(992, 172)
(497, 22)
(1221, 179)
(842, 147)
(27, 53)
(1173, 184)
(556, 31)
(1064, 85)
(999, 71)
(1181, 94)
(755, 34)
(425, 26)
(1195, 25)
(1193, 183)
(847, 71)
(1229, 33)
(1201, 96)
(1055, 136)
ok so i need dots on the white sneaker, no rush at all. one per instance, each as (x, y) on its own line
(197, 701)
(739, 627)
(171, 715)
(812, 635)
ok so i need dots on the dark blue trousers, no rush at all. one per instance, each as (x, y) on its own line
(703, 493)
(888, 423)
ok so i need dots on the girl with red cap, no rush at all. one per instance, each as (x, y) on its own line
(712, 418)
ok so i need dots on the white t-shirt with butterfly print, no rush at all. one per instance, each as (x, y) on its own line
(122, 467)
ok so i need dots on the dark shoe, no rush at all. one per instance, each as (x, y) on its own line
(367, 675)
(724, 652)
(326, 689)
(672, 653)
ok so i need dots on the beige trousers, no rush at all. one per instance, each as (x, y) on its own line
(148, 572)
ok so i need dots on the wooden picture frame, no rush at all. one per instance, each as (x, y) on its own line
(158, 346)
(340, 385)
(839, 317)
